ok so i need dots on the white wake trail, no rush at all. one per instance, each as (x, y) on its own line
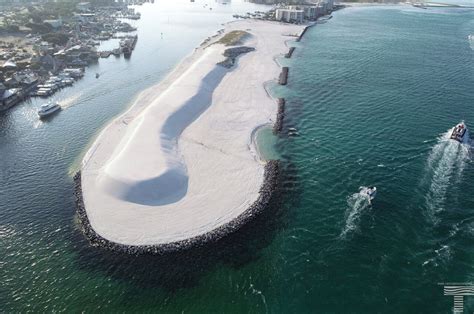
(356, 204)
(445, 166)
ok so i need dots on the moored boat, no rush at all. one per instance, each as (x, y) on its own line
(43, 92)
(116, 52)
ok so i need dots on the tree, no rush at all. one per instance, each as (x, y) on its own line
(56, 38)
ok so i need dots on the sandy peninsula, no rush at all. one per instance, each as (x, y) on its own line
(180, 162)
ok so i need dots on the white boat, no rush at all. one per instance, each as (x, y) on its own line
(50, 85)
(369, 192)
(460, 133)
(67, 81)
(48, 109)
(43, 92)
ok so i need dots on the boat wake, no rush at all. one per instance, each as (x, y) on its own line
(446, 163)
(357, 203)
(70, 101)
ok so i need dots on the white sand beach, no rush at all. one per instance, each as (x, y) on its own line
(180, 162)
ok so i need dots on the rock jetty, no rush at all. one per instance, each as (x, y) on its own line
(271, 177)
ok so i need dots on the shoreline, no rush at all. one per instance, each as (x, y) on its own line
(106, 146)
(270, 182)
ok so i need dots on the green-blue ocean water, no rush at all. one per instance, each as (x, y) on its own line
(371, 96)
(373, 93)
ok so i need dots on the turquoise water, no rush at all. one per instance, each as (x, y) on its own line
(371, 95)
(266, 143)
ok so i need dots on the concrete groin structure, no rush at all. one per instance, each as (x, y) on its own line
(283, 80)
(302, 34)
(270, 182)
(290, 52)
(280, 115)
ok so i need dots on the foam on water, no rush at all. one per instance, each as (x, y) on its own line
(441, 257)
(446, 163)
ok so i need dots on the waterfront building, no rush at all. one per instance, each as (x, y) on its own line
(83, 6)
(54, 23)
(319, 8)
(290, 15)
(298, 13)
(327, 6)
(310, 11)
(9, 98)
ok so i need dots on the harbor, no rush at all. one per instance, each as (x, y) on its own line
(46, 55)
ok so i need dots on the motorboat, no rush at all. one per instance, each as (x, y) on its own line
(369, 192)
(68, 81)
(460, 133)
(48, 109)
(44, 92)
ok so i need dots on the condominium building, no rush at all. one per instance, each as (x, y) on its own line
(290, 15)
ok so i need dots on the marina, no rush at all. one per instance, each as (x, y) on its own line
(37, 58)
(126, 46)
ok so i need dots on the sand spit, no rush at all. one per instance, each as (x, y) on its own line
(271, 178)
(178, 168)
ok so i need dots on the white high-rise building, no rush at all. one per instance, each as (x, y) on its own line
(290, 15)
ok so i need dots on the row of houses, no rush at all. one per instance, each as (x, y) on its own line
(299, 13)
(22, 72)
